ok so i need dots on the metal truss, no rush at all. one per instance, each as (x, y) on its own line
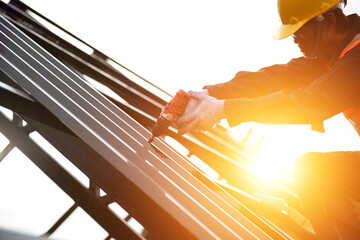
(43, 80)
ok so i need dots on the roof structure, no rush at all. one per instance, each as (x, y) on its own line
(99, 119)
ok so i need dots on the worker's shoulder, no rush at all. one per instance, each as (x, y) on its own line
(303, 62)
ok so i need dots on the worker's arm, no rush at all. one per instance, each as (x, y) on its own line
(295, 74)
(327, 96)
(298, 72)
(330, 94)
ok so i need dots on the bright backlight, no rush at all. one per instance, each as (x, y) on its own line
(283, 144)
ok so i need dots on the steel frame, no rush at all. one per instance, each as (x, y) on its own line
(83, 197)
(112, 143)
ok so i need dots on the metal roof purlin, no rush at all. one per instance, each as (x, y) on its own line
(119, 139)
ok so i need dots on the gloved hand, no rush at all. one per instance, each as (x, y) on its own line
(203, 116)
(203, 91)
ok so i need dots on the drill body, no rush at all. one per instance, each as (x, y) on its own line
(170, 113)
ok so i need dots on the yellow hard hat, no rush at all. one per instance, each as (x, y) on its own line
(295, 13)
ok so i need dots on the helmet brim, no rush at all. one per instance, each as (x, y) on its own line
(286, 30)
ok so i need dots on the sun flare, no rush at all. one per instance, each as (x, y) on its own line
(282, 144)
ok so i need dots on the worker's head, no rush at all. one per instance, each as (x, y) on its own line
(312, 23)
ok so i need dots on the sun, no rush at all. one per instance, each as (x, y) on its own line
(275, 158)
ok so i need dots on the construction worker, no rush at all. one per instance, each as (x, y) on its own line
(306, 90)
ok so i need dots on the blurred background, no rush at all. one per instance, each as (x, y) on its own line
(175, 45)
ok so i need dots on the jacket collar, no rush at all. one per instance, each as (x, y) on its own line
(352, 34)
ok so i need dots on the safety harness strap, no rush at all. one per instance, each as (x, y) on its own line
(352, 114)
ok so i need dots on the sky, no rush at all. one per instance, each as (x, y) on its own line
(190, 43)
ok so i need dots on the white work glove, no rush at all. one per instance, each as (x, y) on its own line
(202, 115)
(204, 91)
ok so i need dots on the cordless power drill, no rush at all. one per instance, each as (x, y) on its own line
(172, 111)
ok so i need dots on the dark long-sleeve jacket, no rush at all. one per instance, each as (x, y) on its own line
(302, 91)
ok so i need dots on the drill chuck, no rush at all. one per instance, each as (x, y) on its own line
(160, 126)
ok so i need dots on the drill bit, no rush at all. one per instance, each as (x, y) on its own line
(151, 139)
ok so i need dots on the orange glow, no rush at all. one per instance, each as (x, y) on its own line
(275, 158)
(283, 144)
